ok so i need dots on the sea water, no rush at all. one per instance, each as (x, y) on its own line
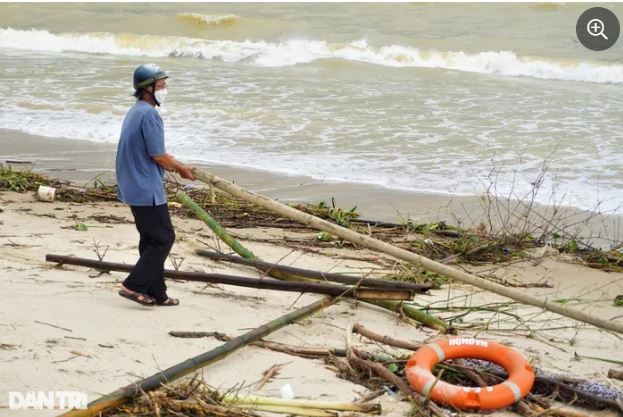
(443, 98)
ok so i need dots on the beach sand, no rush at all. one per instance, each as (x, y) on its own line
(103, 342)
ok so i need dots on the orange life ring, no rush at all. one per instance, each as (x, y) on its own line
(518, 384)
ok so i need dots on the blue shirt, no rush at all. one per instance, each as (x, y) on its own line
(139, 177)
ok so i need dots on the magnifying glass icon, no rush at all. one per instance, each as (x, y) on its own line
(595, 27)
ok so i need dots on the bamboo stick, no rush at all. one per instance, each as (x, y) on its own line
(187, 201)
(327, 276)
(405, 255)
(297, 411)
(124, 394)
(264, 283)
(408, 310)
(213, 224)
(322, 405)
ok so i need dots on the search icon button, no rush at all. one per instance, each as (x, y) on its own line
(598, 28)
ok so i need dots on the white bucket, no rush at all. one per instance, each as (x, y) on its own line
(46, 193)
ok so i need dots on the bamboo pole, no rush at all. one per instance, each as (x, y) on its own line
(295, 411)
(213, 224)
(326, 276)
(187, 201)
(264, 283)
(321, 405)
(124, 394)
(405, 255)
(409, 310)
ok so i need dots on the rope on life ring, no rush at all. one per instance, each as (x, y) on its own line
(519, 382)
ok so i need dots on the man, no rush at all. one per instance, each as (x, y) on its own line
(140, 164)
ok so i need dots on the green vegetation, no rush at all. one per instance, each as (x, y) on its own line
(435, 240)
(20, 181)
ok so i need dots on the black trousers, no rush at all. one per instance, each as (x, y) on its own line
(156, 240)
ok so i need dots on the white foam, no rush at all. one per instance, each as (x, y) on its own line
(299, 51)
(214, 139)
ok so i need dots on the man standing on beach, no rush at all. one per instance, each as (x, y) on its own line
(140, 164)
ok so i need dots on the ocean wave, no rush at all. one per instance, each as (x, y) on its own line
(302, 51)
(199, 19)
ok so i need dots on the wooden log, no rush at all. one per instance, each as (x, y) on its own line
(426, 263)
(326, 276)
(124, 394)
(264, 283)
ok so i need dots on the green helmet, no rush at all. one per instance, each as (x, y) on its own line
(147, 74)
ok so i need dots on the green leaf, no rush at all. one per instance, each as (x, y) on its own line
(392, 367)
(603, 261)
(324, 237)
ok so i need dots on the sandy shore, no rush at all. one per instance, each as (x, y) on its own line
(106, 342)
(102, 341)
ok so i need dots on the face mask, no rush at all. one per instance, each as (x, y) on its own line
(160, 96)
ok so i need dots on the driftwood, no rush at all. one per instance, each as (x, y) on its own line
(396, 306)
(429, 264)
(326, 276)
(123, 395)
(197, 335)
(614, 374)
(301, 351)
(307, 352)
(265, 283)
(358, 328)
(398, 382)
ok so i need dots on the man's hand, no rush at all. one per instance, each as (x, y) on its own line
(168, 162)
(186, 172)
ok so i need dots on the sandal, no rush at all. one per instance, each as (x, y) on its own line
(169, 302)
(137, 297)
